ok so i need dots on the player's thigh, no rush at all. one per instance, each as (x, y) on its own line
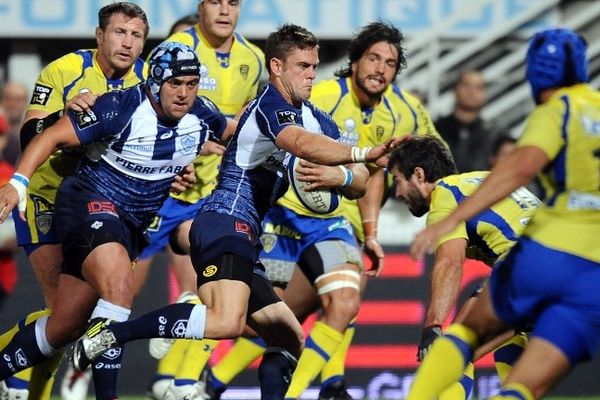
(46, 261)
(184, 272)
(301, 296)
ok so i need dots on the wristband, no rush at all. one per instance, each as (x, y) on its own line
(348, 176)
(359, 154)
(20, 183)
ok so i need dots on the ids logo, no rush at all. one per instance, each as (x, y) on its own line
(210, 271)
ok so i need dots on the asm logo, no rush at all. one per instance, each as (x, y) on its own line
(97, 207)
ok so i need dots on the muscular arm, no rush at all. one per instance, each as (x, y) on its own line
(358, 188)
(61, 134)
(445, 280)
(369, 207)
(313, 147)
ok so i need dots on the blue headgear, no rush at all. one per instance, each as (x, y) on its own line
(170, 59)
(555, 58)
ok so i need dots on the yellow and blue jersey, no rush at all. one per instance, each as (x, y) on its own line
(230, 80)
(398, 114)
(493, 232)
(58, 82)
(567, 129)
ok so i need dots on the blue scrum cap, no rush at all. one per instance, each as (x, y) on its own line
(555, 58)
(168, 60)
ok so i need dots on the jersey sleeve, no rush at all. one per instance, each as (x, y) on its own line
(213, 117)
(443, 204)
(100, 121)
(48, 92)
(272, 117)
(543, 129)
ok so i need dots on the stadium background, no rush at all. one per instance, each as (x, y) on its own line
(443, 36)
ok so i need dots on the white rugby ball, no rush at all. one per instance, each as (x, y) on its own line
(321, 201)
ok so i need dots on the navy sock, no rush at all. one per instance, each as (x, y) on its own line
(166, 322)
(21, 353)
(275, 374)
(105, 372)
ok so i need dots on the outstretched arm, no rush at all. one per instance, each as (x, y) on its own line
(321, 149)
(61, 134)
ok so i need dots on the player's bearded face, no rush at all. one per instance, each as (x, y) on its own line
(376, 69)
(177, 96)
(121, 43)
(409, 193)
(298, 73)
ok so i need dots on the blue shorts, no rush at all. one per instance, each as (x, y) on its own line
(213, 234)
(287, 236)
(85, 220)
(172, 213)
(555, 291)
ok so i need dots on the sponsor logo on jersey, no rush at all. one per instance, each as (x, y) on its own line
(244, 68)
(210, 271)
(85, 119)
(41, 94)
(285, 117)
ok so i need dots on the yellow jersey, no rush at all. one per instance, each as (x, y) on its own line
(230, 80)
(493, 232)
(567, 129)
(398, 114)
(58, 82)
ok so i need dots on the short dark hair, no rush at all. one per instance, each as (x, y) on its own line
(370, 34)
(131, 10)
(284, 40)
(427, 152)
(190, 19)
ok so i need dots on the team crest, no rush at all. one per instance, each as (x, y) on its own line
(268, 242)
(112, 354)
(188, 143)
(379, 131)
(43, 211)
(244, 68)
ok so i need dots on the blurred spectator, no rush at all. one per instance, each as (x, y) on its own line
(469, 137)
(8, 242)
(184, 23)
(14, 97)
(503, 146)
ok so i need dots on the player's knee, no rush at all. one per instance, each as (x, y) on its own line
(343, 304)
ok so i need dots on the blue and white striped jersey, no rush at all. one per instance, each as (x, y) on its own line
(252, 175)
(131, 155)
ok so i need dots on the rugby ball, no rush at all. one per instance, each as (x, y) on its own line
(321, 201)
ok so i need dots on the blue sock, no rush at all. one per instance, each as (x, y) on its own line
(167, 322)
(275, 373)
(105, 372)
(21, 353)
